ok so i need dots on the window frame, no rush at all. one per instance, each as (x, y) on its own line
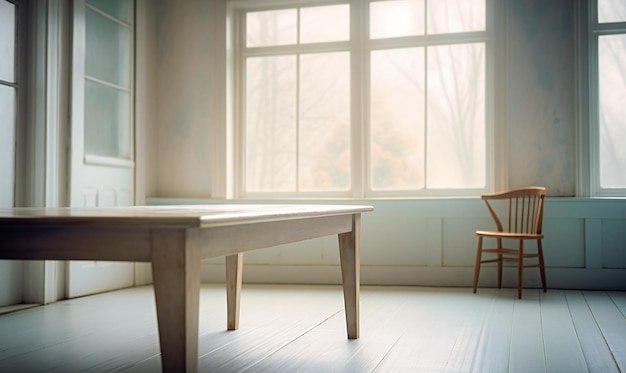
(589, 36)
(360, 47)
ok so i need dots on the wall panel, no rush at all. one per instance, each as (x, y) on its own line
(564, 243)
(614, 243)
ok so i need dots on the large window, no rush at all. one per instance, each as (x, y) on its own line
(608, 87)
(366, 98)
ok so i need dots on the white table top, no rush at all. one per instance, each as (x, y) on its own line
(190, 216)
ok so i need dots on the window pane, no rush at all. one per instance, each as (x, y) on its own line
(270, 130)
(324, 131)
(120, 9)
(397, 119)
(611, 11)
(7, 145)
(107, 121)
(612, 90)
(334, 21)
(7, 41)
(396, 18)
(107, 50)
(448, 16)
(456, 117)
(274, 27)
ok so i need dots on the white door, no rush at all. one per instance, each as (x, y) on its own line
(101, 163)
(10, 271)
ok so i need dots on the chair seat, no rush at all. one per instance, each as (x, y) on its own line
(510, 235)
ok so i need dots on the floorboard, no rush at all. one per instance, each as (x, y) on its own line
(495, 338)
(619, 298)
(561, 346)
(527, 350)
(326, 347)
(302, 328)
(611, 323)
(427, 314)
(597, 354)
(470, 322)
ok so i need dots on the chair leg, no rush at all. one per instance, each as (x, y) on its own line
(542, 268)
(499, 270)
(479, 249)
(499, 267)
(520, 269)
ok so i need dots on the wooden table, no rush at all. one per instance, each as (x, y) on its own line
(175, 239)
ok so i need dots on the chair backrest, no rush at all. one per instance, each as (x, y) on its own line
(523, 210)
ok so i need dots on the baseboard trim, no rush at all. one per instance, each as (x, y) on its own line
(557, 278)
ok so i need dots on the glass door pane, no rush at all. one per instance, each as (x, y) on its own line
(8, 87)
(611, 11)
(107, 83)
(7, 145)
(7, 41)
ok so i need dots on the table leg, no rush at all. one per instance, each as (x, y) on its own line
(176, 262)
(350, 255)
(234, 269)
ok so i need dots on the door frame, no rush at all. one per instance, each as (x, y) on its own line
(41, 131)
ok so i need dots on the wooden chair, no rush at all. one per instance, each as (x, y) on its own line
(520, 219)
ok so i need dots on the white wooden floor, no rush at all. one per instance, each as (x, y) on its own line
(287, 328)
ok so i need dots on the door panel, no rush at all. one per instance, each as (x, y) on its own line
(102, 165)
(88, 277)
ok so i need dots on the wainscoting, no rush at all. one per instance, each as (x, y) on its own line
(431, 242)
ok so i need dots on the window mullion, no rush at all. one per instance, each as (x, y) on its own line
(426, 81)
(359, 100)
(594, 105)
(297, 124)
(298, 85)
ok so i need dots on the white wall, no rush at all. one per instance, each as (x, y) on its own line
(540, 94)
(182, 120)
